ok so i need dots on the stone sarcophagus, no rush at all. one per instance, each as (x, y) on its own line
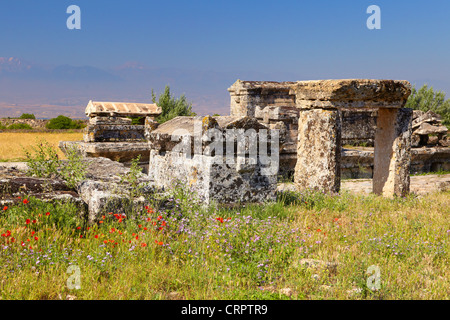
(223, 159)
(112, 133)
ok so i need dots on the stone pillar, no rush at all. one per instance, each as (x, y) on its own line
(318, 150)
(392, 156)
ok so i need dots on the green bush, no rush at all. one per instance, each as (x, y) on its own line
(20, 126)
(426, 99)
(172, 107)
(63, 122)
(27, 116)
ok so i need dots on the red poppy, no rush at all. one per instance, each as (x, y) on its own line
(318, 230)
(143, 244)
(220, 219)
(140, 226)
(145, 228)
(25, 201)
(163, 223)
(336, 219)
(96, 236)
(159, 217)
(27, 221)
(47, 214)
(160, 243)
(78, 228)
(105, 241)
(33, 232)
(81, 236)
(5, 208)
(36, 238)
(148, 219)
(34, 221)
(100, 221)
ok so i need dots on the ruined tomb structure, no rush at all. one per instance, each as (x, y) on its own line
(320, 103)
(218, 158)
(111, 134)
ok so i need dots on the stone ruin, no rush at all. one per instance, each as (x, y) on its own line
(111, 134)
(219, 158)
(273, 103)
(308, 116)
(311, 120)
(428, 130)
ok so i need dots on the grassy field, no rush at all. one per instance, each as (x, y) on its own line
(11, 143)
(252, 252)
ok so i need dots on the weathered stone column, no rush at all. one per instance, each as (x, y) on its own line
(319, 131)
(318, 150)
(392, 155)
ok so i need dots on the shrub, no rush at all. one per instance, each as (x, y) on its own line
(172, 107)
(27, 116)
(43, 160)
(20, 126)
(426, 99)
(63, 122)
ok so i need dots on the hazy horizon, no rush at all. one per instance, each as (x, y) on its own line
(125, 49)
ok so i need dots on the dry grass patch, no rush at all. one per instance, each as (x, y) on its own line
(11, 143)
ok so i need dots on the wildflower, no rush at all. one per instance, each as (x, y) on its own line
(318, 230)
(336, 219)
(220, 219)
(105, 241)
(34, 221)
(145, 228)
(27, 221)
(25, 201)
(47, 214)
(159, 217)
(140, 226)
(36, 238)
(5, 208)
(163, 223)
(96, 236)
(81, 236)
(78, 228)
(143, 244)
(33, 232)
(101, 221)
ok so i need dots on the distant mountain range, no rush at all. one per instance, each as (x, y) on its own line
(48, 91)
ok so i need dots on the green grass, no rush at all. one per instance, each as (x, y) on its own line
(177, 248)
(440, 172)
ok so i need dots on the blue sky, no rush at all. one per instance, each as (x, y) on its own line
(302, 39)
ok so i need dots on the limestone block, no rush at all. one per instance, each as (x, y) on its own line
(392, 157)
(98, 108)
(109, 133)
(318, 150)
(351, 93)
(109, 121)
(212, 179)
